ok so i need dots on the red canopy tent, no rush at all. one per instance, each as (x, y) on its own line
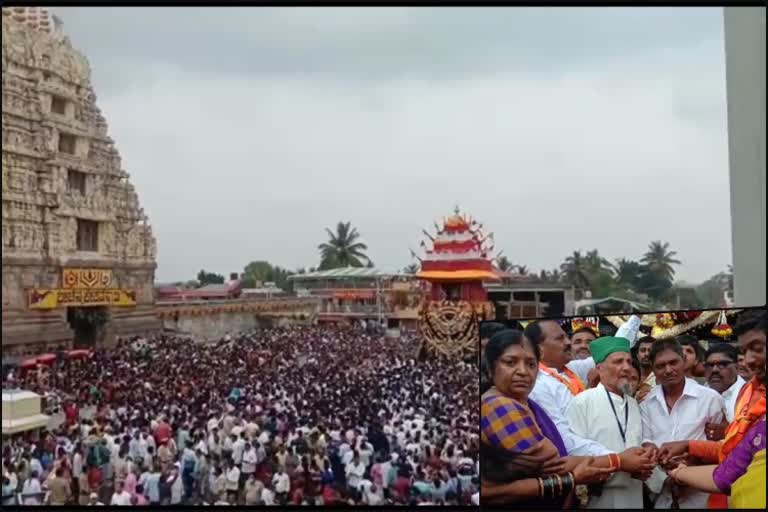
(28, 363)
(79, 353)
(46, 359)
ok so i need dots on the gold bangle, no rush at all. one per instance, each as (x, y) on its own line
(541, 486)
(559, 485)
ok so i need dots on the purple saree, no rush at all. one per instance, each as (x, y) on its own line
(735, 465)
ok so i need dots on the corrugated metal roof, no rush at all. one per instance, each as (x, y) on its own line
(594, 302)
(344, 273)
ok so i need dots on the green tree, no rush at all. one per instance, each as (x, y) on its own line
(263, 272)
(522, 270)
(503, 264)
(683, 298)
(596, 264)
(550, 276)
(575, 270)
(259, 272)
(711, 291)
(206, 278)
(343, 248)
(660, 260)
(628, 273)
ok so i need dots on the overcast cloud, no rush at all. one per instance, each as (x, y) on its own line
(247, 131)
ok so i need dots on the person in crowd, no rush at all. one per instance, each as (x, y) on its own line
(642, 352)
(741, 475)
(750, 331)
(723, 377)
(678, 408)
(521, 446)
(581, 337)
(694, 357)
(634, 377)
(487, 330)
(164, 411)
(558, 381)
(610, 415)
(744, 371)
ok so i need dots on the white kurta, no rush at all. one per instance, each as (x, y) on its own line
(697, 406)
(591, 417)
(554, 397)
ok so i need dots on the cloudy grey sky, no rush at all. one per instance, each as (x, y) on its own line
(247, 131)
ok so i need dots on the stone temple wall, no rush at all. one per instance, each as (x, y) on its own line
(61, 180)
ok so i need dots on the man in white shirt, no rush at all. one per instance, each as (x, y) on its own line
(354, 471)
(282, 483)
(238, 447)
(250, 459)
(268, 496)
(675, 410)
(608, 414)
(233, 481)
(121, 496)
(554, 389)
(722, 376)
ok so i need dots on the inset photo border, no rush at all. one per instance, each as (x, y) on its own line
(549, 438)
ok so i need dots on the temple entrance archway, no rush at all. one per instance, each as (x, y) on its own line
(88, 325)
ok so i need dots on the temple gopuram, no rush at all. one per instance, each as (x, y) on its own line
(78, 252)
(456, 262)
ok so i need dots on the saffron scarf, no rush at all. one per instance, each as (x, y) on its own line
(574, 384)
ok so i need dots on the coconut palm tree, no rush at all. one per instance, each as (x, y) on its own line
(596, 264)
(628, 273)
(660, 260)
(343, 248)
(574, 270)
(503, 264)
(550, 276)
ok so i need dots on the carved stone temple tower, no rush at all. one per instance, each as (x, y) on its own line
(78, 252)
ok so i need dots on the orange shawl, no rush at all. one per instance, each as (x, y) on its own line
(574, 384)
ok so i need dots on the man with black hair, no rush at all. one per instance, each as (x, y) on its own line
(642, 352)
(559, 379)
(750, 330)
(487, 330)
(580, 340)
(694, 356)
(722, 376)
(675, 410)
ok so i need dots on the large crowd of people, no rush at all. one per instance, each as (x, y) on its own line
(623, 421)
(299, 415)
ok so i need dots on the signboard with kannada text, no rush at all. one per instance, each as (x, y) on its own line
(63, 297)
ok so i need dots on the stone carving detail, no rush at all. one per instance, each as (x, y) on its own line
(38, 60)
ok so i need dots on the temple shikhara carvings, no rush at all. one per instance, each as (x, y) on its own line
(78, 251)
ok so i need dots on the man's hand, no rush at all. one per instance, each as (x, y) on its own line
(635, 460)
(716, 431)
(672, 449)
(651, 450)
(642, 392)
(583, 473)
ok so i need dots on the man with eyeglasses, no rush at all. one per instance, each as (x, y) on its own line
(721, 372)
